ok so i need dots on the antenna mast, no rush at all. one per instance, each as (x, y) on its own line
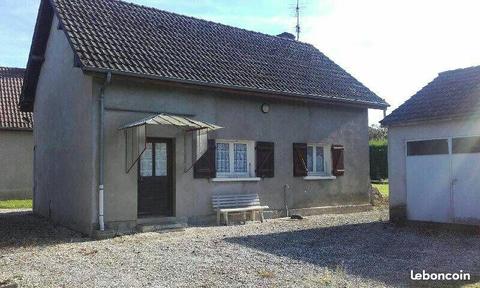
(297, 12)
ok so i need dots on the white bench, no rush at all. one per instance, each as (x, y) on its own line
(235, 203)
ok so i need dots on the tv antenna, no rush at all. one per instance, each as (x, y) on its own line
(297, 14)
(298, 6)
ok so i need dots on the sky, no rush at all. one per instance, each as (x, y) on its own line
(394, 47)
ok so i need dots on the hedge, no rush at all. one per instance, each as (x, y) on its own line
(378, 160)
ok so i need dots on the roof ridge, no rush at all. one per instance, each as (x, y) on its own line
(11, 68)
(459, 69)
(209, 21)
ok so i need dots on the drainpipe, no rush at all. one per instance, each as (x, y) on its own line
(285, 187)
(101, 222)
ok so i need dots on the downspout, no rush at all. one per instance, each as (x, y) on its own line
(101, 164)
(285, 188)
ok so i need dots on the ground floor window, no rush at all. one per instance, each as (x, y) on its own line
(318, 159)
(234, 158)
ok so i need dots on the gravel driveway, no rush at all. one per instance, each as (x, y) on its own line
(350, 250)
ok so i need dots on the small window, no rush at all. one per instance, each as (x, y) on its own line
(146, 165)
(160, 159)
(427, 147)
(234, 159)
(316, 160)
(466, 145)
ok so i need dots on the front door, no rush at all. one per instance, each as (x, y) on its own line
(155, 193)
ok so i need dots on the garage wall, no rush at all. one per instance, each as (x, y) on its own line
(397, 135)
(16, 156)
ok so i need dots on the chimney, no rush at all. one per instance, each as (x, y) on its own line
(286, 35)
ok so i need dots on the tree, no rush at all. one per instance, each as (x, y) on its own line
(376, 132)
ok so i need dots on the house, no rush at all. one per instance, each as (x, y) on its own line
(141, 113)
(16, 138)
(434, 151)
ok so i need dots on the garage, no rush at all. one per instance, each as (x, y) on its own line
(442, 180)
(434, 151)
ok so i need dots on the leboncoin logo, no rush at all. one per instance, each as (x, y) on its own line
(425, 276)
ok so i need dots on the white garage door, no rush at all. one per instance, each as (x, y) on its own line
(443, 180)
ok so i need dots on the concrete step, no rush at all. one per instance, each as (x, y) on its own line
(162, 227)
(161, 220)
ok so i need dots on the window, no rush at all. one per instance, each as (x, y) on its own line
(234, 159)
(466, 145)
(427, 147)
(317, 160)
(154, 152)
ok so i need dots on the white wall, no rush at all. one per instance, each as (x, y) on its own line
(398, 135)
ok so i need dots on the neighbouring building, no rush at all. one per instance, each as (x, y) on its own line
(141, 114)
(16, 138)
(434, 151)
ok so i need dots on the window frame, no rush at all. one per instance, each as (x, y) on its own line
(231, 152)
(327, 159)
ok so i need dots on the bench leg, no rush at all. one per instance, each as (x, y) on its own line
(218, 217)
(261, 216)
(253, 215)
(225, 215)
(244, 217)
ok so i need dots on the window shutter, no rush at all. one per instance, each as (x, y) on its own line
(265, 167)
(299, 159)
(338, 168)
(205, 166)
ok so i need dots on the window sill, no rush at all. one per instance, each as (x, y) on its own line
(245, 179)
(319, 177)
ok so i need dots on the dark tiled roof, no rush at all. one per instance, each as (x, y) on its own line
(110, 35)
(11, 80)
(453, 94)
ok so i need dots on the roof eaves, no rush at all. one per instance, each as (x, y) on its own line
(332, 99)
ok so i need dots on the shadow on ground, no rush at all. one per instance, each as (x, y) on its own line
(378, 250)
(23, 229)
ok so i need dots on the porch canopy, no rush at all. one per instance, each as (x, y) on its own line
(195, 137)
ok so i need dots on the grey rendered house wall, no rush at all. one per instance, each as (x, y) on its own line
(397, 137)
(16, 171)
(64, 137)
(241, 116)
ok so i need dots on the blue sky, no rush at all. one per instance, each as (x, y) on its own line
(394, 47)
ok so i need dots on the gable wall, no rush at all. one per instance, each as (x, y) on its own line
(64, 138)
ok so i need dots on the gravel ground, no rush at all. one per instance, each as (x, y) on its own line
(350, 250)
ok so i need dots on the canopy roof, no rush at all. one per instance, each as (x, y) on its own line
(175, 120)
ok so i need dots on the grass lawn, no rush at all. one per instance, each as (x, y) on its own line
(383, 188)
(15, 204)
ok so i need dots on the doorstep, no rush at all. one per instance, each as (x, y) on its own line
(161, 224)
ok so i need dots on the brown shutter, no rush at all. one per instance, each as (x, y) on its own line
(205, 166)
(264, 152)
(299, 159)
(338, 168)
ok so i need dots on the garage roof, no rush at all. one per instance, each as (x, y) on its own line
(453, 94)
(11, 117)
(128, 39)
